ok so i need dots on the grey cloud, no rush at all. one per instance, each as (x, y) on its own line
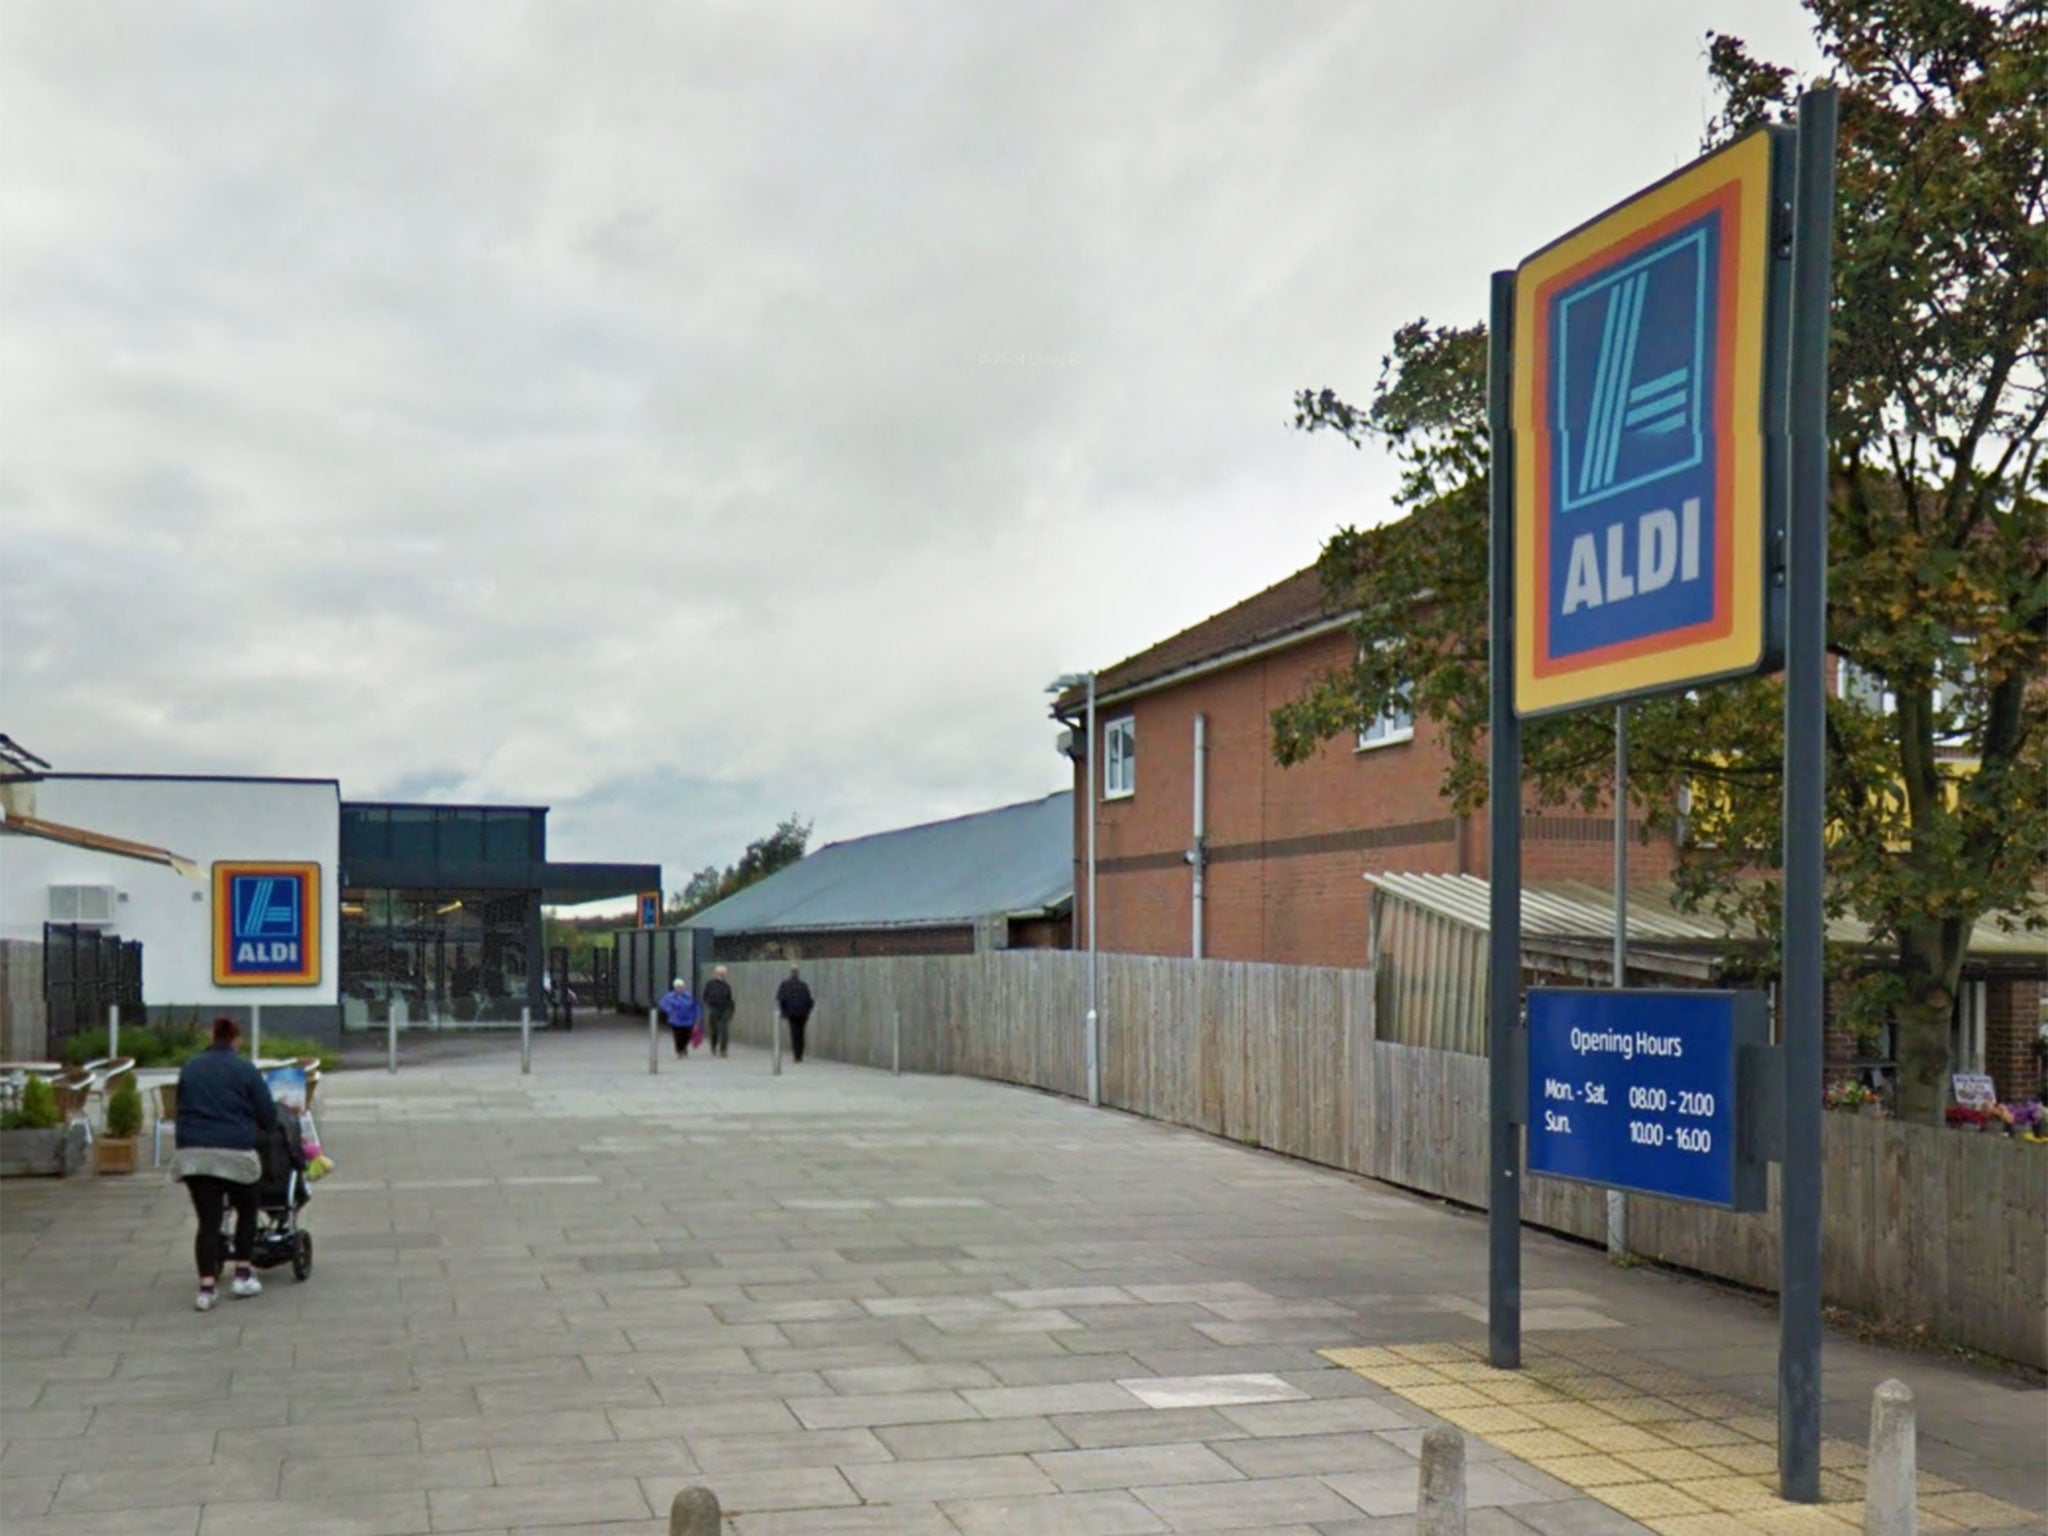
(686, 414)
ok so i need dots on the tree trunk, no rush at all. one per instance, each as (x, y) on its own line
(1931, 964)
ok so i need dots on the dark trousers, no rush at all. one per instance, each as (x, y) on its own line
(210, 1198)
(682, 1041)
(721, 1031)
(796, 1036)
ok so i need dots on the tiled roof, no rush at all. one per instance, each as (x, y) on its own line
(1298, 602)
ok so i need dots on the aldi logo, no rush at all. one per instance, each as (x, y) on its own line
(1641, 487)
(266, 925)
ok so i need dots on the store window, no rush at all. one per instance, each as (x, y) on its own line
(449, 956)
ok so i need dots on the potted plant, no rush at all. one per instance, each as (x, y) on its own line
(33, 1137)
(115, 1151)
(1851, 1097)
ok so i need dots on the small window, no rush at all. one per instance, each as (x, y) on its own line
(1864, 688)
(1394, 723)
(1119, 757)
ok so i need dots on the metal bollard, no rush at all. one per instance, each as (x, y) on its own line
(113, 1029)
(695, 1512)
(654, 1042)
(896, 1043)
(1891, 1494)
(526, 1042)
(775, 1029)
(255, 1031)
(1440, 1509)
(391, 1022)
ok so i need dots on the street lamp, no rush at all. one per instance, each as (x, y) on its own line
(1093, 1026)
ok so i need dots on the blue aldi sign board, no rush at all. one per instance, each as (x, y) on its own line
(1638, 1090)
(1642, 345)
(266, 925)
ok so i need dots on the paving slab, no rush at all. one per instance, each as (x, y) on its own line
(853, 1303)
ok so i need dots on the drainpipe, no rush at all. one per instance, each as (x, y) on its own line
(1198, 856)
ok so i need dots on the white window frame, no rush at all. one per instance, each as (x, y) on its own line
(1120, 764)
(1389, 728)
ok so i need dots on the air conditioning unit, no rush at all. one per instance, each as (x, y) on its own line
(87, 906)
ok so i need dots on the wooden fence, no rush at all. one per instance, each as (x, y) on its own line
(1924, 1227)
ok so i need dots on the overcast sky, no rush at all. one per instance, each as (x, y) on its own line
(683, 414)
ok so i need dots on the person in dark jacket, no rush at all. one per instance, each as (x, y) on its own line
(224, 1108)
(718, 1009)
(794, 1002)
(682, 1013)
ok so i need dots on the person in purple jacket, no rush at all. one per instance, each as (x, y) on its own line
(682, 1013)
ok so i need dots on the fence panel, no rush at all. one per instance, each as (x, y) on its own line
(1924, 1227)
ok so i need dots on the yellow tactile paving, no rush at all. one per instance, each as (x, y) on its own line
(1537, 1443)
(1644, 1501)
(1591, 1471)
(1621, 1437)
(1674, 1465)
(1487, 1421)
(1650, 1442)
(1572, 1416)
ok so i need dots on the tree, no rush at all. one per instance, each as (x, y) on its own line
(1938, 755)
(762, 858)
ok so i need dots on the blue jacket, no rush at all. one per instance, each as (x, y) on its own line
(223, 1101)
(680, 1009)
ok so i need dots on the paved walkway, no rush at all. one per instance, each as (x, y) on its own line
(847, 1302)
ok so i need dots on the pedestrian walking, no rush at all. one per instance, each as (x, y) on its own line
(794, 1002)
(682, 1013)
(718, 1007)
(224, 1106)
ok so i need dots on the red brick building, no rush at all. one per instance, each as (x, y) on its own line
(1278, 855)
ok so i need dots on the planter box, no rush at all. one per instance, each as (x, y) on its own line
(42, 1153)
(114, 1154)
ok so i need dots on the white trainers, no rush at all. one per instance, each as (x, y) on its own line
(247, 1285)
(204, 1301)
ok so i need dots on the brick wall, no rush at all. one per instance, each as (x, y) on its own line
(2013, 1017)
(1288, 847)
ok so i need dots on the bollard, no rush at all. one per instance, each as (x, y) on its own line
(113, 1029)
(1890, 1496)
(654, 1042)
(775, 1030)
(695, 1512)
(391, 1036)
(255, 1031)
(526, 1042)
(1440, 1508)
(896, 1043)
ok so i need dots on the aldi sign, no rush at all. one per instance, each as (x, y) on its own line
(1640, 396)
(266, 925)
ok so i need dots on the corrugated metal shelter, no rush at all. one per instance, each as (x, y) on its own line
(1429, 936)
(993, 880)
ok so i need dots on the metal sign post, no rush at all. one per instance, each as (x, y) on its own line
(1617, 1200)
(1801, 995)
(1504, 830)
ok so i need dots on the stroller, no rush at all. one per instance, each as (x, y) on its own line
(280, 1195)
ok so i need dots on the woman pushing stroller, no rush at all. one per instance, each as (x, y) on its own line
(224, 1111)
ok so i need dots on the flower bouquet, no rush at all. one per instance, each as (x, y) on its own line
(1965, 1117)
(2029, 1120)
(1851, 1097)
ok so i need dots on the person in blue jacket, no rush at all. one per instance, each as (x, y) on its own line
(682, 1013)
(224, 1106)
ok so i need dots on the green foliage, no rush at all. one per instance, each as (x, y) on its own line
(1938, 808)
(296, 1046)
(762, 858)
(169, 1043)
(124, 1107)
(38, 1108)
